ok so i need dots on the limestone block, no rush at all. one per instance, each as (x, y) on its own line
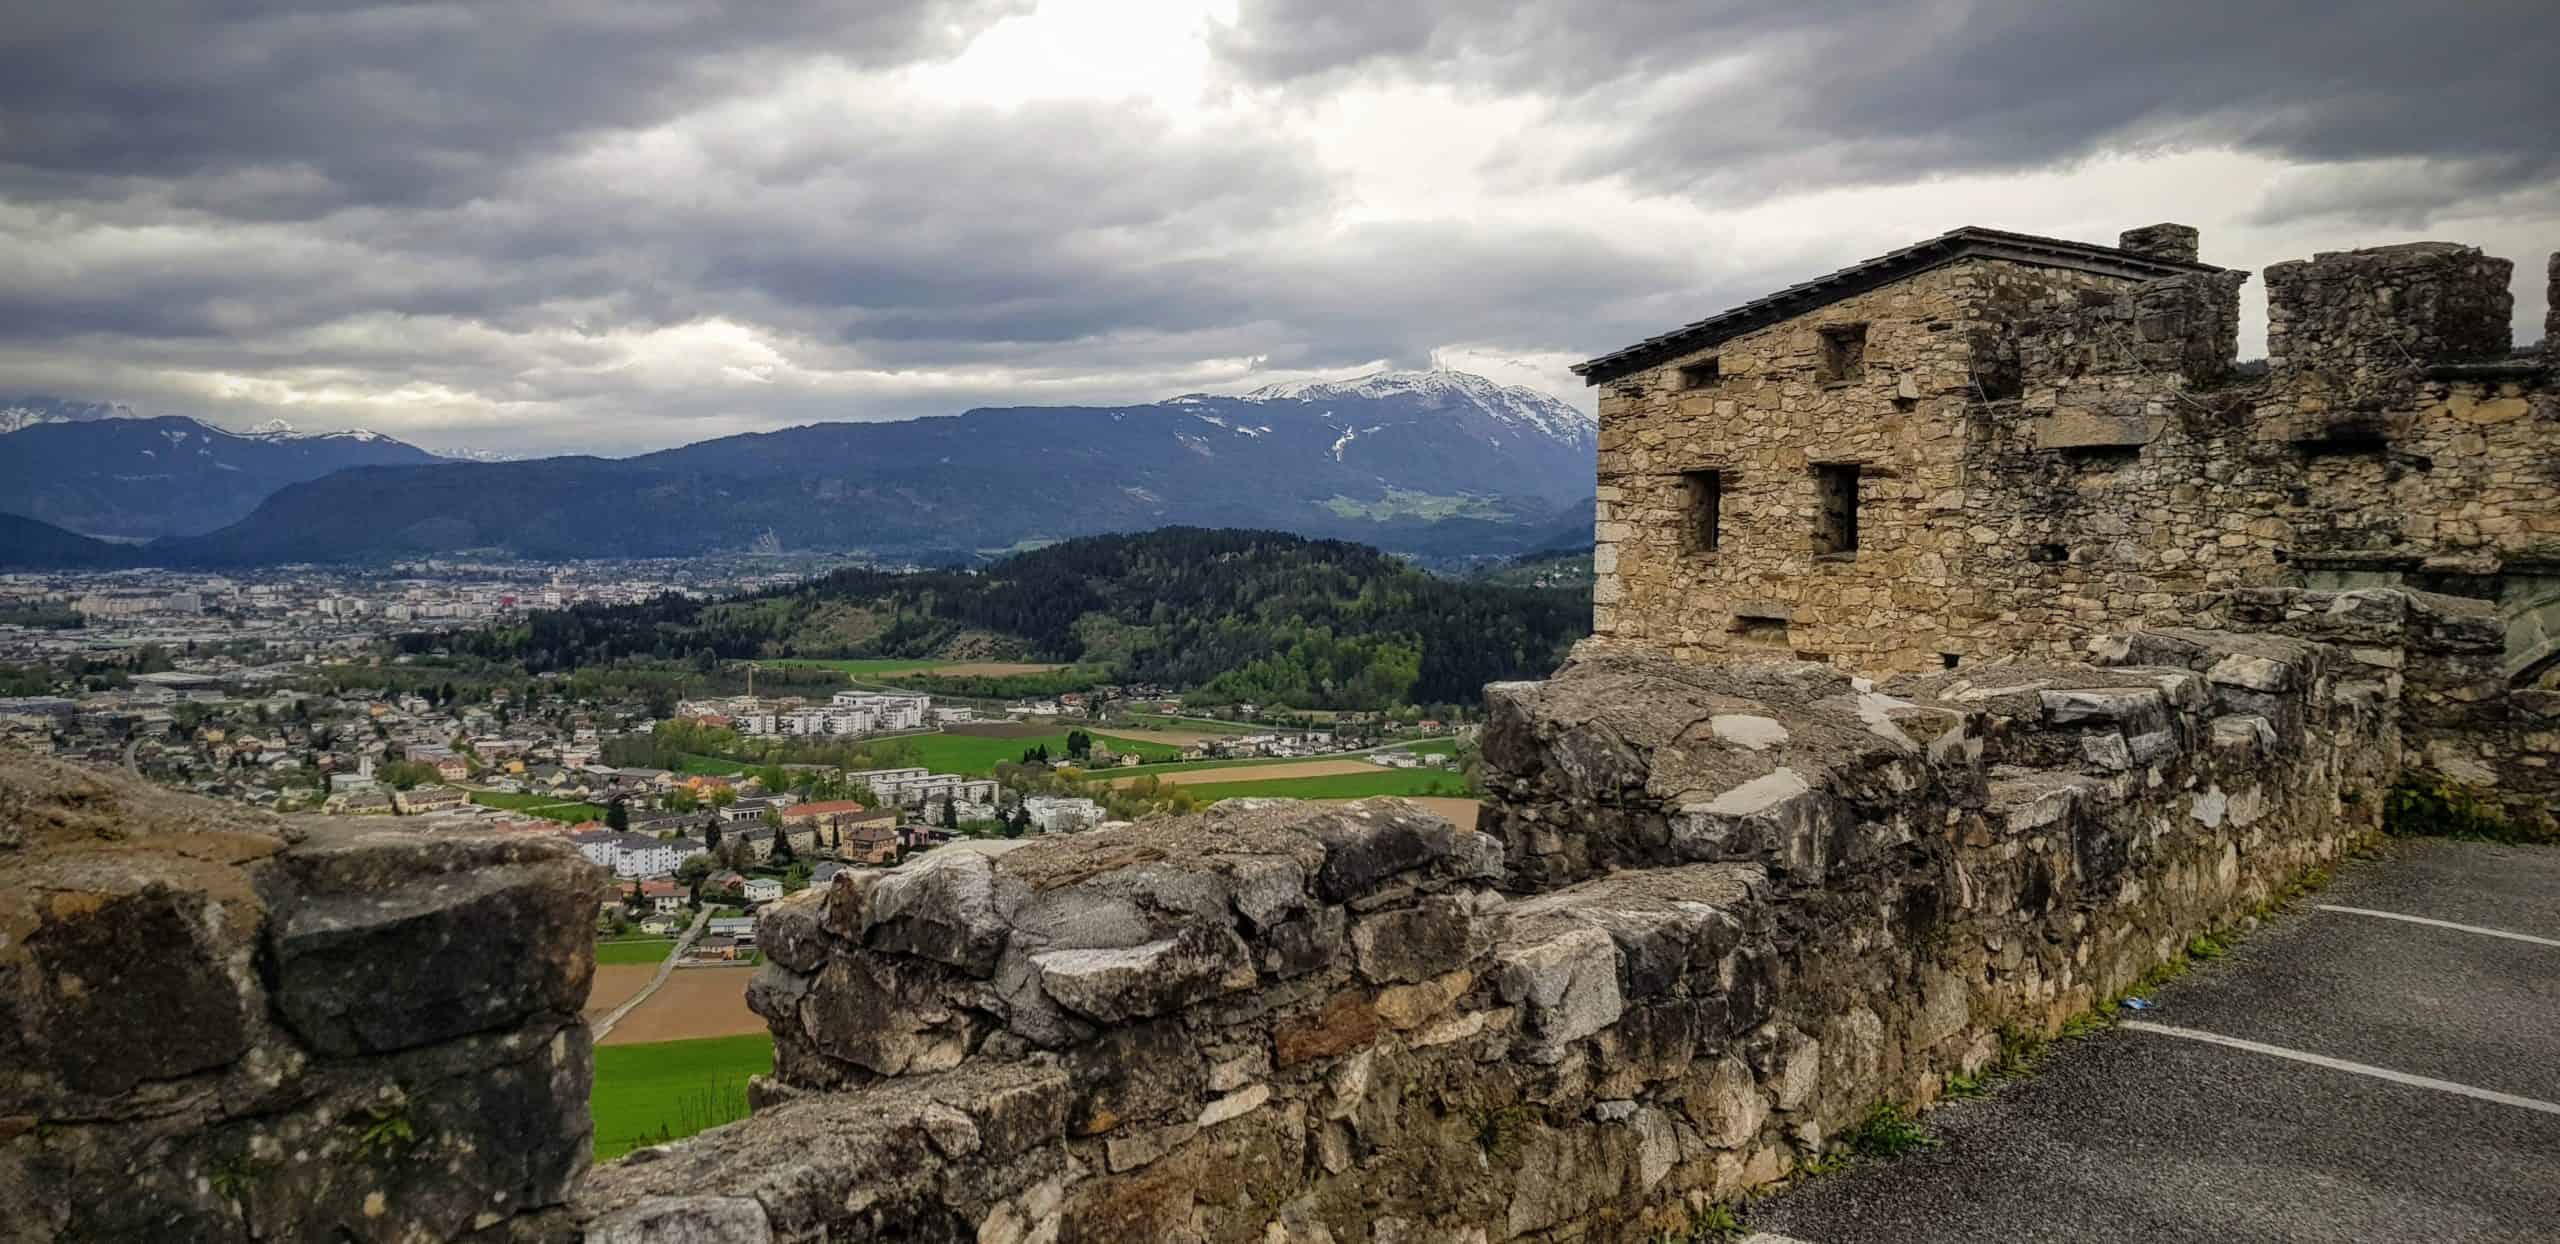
(685, 1220)
(1726, 1104)
(2256, 673)
(2081, 429)
(127, 980)
(486, 930)
(1566, 986)
(866, 1009)
(946, 907)
(1115, 985)
(1435, 936)
(790, 933)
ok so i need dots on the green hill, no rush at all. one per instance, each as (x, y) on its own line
(1236, 615)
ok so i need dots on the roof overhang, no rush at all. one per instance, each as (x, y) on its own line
(1858, 278)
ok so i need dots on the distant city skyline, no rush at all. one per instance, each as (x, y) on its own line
(536, 230)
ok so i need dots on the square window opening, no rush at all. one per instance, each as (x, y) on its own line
(1836, 520)
(1844, 352)
(1706, 509)
(1703, 374)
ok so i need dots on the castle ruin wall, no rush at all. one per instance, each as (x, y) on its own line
(2098, 459)
(1716, 916)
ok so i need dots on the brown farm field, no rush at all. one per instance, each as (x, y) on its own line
(695, 1002)
(1260, 773)
(1461, 812)
(991, 669)
(614, 985)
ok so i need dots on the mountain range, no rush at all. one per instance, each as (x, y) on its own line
(128, 477)
(1435, 463)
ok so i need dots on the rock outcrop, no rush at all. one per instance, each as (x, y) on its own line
(217, 1024)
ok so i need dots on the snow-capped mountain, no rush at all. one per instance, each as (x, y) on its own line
(126, 475)
(1446, 390)
(1429, 463)
(27, 412)
(279, 430)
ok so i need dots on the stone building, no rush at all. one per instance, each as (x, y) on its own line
(1988, 443)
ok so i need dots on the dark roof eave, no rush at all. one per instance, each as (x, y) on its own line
(1858, 278)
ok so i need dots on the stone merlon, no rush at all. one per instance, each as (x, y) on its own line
(223, 1025)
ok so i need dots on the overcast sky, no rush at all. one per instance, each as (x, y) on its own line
(577, 225)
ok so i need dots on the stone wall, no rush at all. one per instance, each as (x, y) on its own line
(1717, 915)
(2358, 327)
(1935, 343)
(218, 1025)
(2074, 453)
(2442, 658)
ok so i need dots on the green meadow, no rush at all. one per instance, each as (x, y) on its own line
(978, 755)
(634, 950)
(667, 1090)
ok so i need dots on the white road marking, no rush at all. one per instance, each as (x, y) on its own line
(2440, 924)
(2340, 1064)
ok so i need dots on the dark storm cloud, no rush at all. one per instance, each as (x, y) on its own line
(1756, 100)
(586, 216)
(292, 107)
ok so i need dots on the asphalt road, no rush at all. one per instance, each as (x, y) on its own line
(2442, 1127)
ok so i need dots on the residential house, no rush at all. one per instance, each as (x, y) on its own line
(763, 889)
(663, 897)
(873, 842)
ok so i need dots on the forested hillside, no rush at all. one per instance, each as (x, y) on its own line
(1237, 615)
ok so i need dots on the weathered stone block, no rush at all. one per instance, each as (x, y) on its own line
(1134, 982)
(2083, 429)
(485, 932)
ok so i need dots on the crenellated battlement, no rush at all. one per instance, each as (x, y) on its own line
(2359, 328)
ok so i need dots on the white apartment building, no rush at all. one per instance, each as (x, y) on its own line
(878, 779)
(1059, 814)
(891, 712)
(849, 713)
(632, 856)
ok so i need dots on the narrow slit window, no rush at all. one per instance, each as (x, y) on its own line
(1844, 352)
(1703, 374)
(1836, 522)
(1706, 509)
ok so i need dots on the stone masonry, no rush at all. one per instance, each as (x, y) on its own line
(2047, 440)
(1716, 915)
(219, 1025)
